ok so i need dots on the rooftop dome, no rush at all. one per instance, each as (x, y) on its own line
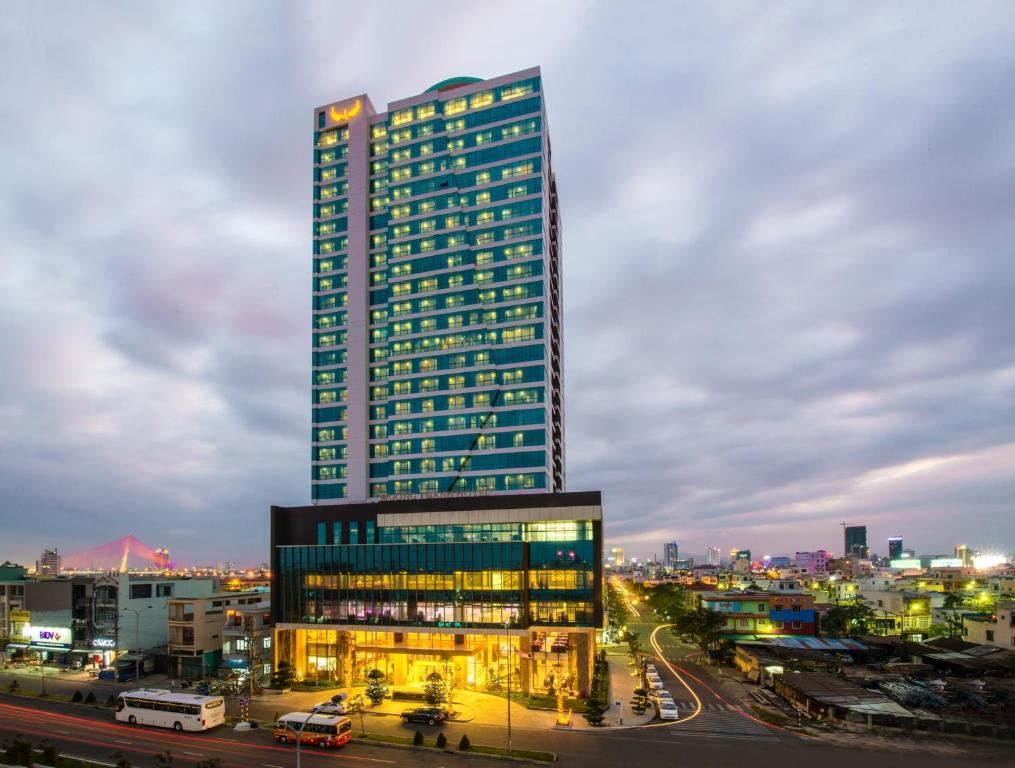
(453, 82)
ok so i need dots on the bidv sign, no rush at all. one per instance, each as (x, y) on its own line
(48, 635)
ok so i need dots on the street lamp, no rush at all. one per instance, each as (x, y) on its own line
(299, 731)
(137, 632)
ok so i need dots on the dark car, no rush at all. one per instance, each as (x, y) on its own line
(428, 715)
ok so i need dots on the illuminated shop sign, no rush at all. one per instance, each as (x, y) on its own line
(103, 642)
(57, 637)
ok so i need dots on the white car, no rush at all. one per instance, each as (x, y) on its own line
(668, 710)
(660, 695)
(650, 669)
(655, 683)
(331, 708)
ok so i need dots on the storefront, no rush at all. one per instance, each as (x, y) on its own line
(49, 645)
(102, 652)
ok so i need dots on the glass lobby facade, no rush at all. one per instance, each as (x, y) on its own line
(481, 588)
(436, 296)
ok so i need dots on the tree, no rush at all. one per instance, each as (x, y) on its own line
(417, 739)
(594, 712)
(640, 701)
(852, 619)
(17, 751)
(616, 611)
(953, 602)
(464, 745)
(442, 740)
(700, 627)
(633, 642)
(282, 677)
(357, 706)
(435, 692)
(450, 682)
(90, 698)
(667, 600)
(375, 686)
(77, 698)
(48, 753)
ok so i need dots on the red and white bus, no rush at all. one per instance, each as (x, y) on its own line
(317, 730)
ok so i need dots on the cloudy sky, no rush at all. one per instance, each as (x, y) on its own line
(789, 273)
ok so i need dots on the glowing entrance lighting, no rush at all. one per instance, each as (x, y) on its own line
(348, 114)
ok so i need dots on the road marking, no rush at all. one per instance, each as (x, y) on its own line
(65, 733)
(86, 760)
(128, 743)
(269, 765)
(193, 754)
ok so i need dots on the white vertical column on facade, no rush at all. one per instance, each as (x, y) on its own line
(358, 308)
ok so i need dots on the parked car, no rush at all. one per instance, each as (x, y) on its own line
(659, 694)
(654, 681)
(650, 669)
(331, 708)
(667, 710)
(428, 715)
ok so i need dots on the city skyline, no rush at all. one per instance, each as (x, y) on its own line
(786, 291)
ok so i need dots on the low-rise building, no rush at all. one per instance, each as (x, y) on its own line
(247, 638)
(813, 563)
(903, 612)
(763, 613)
(196, 629)
(997, 629)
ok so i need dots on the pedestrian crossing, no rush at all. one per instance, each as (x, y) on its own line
(718, 720)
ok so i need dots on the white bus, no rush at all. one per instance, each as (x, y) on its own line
(165, 709)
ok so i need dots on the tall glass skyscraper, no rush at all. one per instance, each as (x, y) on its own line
(437, 295)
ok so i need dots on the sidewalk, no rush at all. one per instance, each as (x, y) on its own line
(623, 682)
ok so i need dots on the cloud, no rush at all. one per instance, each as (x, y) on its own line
(787, 262)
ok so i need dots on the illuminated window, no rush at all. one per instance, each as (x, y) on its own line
(481, 99)
(454, 301)
(456, 401)
(378, 131)
(483, 177)
(515, 91)
(427, 405)
(425, 110)
(454, 106)
(402, 116)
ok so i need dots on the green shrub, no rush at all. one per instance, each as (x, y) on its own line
(442, 740)
(90, 698)
(77, 697)
(417, 740)
(464, 745)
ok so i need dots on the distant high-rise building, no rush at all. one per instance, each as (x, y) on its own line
(671, 554)
(617, 553)
(50, 563)
(713, 555)
(894, 548)
(855, 541)
(742, 554)
(437, 361)
(963, 552)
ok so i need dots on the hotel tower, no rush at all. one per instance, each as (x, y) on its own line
(437, 295)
